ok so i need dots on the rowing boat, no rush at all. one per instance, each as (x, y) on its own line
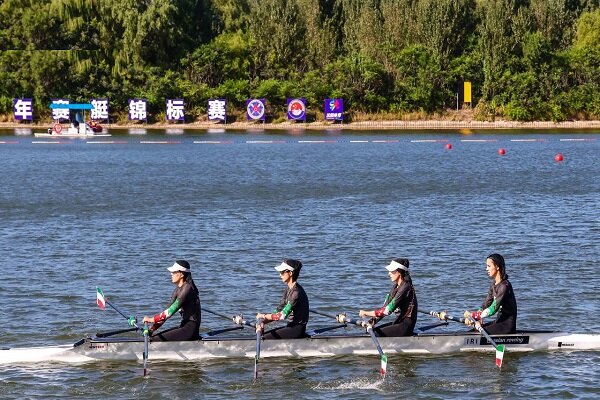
(69, 135)
(95, 348)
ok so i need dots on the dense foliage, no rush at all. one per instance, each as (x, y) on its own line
(527, 59)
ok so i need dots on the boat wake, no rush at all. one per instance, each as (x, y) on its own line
(364, 383)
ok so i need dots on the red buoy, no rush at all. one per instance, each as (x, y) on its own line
(558, 157)
(448, 146)
(501, 151)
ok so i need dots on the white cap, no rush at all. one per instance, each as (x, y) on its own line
(284, 267)
(180, 265)
(396, 265)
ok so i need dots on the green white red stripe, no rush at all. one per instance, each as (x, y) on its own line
(383, 365)
(499, 355)
(100, 299)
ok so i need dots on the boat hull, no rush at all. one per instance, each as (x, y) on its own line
(91, 349)
(70, 135)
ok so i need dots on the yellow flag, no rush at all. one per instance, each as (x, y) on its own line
(467, 91)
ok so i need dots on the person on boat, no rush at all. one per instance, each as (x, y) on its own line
(401, 300)
(500, 300)
(186, 300)
(293, 305)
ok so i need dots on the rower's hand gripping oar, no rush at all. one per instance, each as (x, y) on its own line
(500, 348)
(343, 319)
(259, 333)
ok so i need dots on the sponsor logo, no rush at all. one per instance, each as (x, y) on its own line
(296, 109)
(97, 346)
(561, 344)
(507, 340)
(256, 109)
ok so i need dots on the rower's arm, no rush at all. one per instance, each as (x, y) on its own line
(496, 302)
(166, 314)
(285, 311)
(390, 304)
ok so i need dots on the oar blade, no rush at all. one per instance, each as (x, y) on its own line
(100, 300)
(383, 366)
(255, 377)
(499, 355)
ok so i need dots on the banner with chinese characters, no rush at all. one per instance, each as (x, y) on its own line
(217, 110)
(296, 109)
(23, 109)
(60, 113)
(334, 109)
(255, 109)
(100, 110)
(175, 110)
(137, 109)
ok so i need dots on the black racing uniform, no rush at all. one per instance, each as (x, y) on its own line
(186, 300)
(295, 308)
(402, 300)
(501, 301)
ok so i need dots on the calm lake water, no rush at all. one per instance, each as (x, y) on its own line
(116, 212)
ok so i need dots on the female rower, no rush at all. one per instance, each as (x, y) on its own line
(186, 300)
(500, 300)
(293, 305)
(402, 300)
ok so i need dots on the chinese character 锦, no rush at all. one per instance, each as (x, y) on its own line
(137, 109)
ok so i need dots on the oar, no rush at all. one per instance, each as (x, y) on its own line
(432, 326)
(443, 316)
(101, 300)
(317, 332)
(239, 321)
(369, 328)
(258, 340)
(219, 331)
(500, 348)
(112, 333)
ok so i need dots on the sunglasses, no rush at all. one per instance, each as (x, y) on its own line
(284, 271)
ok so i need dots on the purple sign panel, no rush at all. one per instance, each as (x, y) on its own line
(23, 109)
(137, 109)
(216, 109)
(174, 110)
(255, 109)
(296, 109)
(60, 113)
(334, 109)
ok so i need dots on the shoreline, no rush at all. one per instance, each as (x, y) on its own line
(362, 125)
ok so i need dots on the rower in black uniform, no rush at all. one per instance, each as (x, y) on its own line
(293, 305)
(186, 300)
(500, 300)
(401, 300)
